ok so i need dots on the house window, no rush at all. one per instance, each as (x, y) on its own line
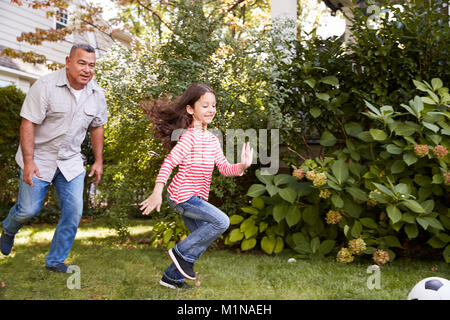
(61, 18)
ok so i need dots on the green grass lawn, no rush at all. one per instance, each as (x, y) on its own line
(114, 270)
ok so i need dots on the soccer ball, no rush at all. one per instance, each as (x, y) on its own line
(433, 288)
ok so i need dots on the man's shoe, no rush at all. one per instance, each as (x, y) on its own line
(166, 282)
(60, 267)
(186, 268)
(6, 243)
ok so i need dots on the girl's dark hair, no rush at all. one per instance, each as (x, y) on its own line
(167, 115)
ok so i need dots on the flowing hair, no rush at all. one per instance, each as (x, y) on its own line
(167, 115)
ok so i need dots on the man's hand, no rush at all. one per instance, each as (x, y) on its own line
(97, 140)
(97, 169)
(27, 147)
(29, 169)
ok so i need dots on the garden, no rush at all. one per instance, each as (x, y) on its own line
(362, 137)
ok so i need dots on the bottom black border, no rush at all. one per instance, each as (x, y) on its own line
(231, 309)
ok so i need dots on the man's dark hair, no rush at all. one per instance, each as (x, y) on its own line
(82, 46)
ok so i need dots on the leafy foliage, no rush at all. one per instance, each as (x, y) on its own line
(168, 233)
(323, 85)
(11, 99)
(362, 106)
(84, 18)
(378, 187)
(387, 200)
(154, 68)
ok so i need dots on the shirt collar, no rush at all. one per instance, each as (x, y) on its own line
(63, 81)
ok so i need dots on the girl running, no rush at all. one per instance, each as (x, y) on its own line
(196, 152)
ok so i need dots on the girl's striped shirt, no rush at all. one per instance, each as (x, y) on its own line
(196, 152)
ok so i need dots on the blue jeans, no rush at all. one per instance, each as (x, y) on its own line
(205, 222)
(29, 203)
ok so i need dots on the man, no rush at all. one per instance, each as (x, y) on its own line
(58, 110)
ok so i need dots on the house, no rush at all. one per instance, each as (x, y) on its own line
(15, 19)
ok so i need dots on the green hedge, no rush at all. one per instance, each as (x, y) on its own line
(388, 186)
(11, 99)
(382, 175)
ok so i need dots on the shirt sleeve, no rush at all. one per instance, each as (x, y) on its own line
(225, 168)
(34, 108)
(176, 156)
(102, 116)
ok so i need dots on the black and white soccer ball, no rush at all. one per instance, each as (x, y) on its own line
(433, 288)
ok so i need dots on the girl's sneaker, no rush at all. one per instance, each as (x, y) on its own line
(166, 282)
(60, 267)
(186, 268)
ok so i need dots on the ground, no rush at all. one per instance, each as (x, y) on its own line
(110, 269)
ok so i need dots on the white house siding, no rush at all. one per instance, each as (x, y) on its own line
(14, 20)
(20, 79)
(104, 42)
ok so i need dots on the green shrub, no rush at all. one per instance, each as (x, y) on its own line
(11, 99)
(322, 87)
(167, 232)
(388, 186)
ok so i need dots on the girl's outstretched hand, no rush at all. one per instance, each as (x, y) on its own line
(246, 155)
(152, 202)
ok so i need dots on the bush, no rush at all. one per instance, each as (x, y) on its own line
(323, 86)
(11, 99)
(387, 187)
(350, 102)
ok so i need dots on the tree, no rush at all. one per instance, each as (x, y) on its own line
(136, 16)
(85, 18)
(197, 49)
